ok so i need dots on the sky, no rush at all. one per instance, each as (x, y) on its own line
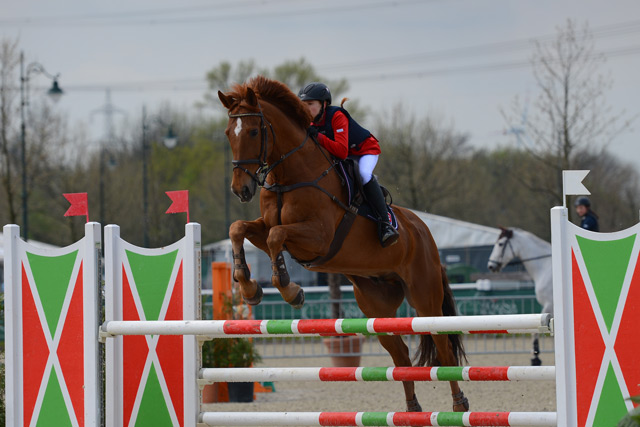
(459, 60)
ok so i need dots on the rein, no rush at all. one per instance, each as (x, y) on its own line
(522, 261)
(264, 168)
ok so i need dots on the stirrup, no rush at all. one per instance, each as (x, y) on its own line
(460, 399)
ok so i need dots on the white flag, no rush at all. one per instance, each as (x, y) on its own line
(572, 182)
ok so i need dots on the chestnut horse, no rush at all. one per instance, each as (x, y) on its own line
(302, 201)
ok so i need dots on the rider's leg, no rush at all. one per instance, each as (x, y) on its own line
(372, 191)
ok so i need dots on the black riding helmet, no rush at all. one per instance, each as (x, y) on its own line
(315, 91)
(583, 201)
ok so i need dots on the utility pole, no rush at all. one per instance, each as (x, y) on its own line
(108, 110)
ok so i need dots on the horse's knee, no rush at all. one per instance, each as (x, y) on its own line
(275, 239)
(237, 230)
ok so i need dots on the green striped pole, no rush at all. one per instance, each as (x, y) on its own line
(445, 373)
(378, 418)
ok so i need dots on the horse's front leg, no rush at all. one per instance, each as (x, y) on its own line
(256, 232)
(302, 236)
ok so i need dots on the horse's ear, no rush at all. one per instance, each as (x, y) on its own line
(251, 98)
(226, 100)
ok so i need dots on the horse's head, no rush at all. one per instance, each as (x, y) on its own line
(247, 133)
(502, 251)
(253, 136)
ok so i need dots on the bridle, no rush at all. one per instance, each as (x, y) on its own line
(507, 242)
(264, 168)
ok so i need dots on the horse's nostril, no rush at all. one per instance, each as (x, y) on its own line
(246, 193)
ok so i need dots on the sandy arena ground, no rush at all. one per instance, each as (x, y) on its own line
(535, 396)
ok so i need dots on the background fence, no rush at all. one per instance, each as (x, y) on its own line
(502, 299)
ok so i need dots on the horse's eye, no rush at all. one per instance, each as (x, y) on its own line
(500, 244)
(253, 132)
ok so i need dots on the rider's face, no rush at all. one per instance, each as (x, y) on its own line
(314, 107)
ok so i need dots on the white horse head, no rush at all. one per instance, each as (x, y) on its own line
(534, 253)
(503, 251)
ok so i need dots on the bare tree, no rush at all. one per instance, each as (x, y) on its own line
(421, 158)
(9, 62)
(570, 114)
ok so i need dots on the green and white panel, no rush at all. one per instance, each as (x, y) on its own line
(152, 379)
(51, 331)
(597, 313)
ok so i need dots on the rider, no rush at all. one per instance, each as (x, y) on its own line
(342, 136)
(589, 217)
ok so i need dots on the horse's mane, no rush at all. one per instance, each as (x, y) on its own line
(277, 94)
(526, 233)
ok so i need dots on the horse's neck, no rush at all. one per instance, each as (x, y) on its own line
(308, 161)
(529, 247)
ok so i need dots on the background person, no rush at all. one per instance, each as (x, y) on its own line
(589, 217)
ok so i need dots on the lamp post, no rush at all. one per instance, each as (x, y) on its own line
(170, 140)
(54, 93)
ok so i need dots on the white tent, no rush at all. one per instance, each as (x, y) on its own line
(447, 232)
(453, 233)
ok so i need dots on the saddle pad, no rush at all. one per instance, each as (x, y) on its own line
(365, 208)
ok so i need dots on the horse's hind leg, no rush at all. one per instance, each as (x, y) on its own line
(535, 360)
(446, 357)
(429, 293)
(381, 299)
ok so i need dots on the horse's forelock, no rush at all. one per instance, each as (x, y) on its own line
(505, 232)
(277, 94)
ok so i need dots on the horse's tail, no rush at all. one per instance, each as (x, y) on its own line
(426, 354)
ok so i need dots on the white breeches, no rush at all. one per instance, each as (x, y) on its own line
(366, 164)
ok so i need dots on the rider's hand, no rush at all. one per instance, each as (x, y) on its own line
(312, 131)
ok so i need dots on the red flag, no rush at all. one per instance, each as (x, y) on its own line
(180, 201)
(79, 205)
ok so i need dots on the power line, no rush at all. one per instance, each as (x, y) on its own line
(241, 15)
(136, 13)
(609, 30)
(199, 84)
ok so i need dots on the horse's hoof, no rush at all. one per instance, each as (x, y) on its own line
(413, 405)
(536, 361)
(256, 299)
(460, 403)
(298, 301)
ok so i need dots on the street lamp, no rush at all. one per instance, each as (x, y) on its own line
(54, 93)
(170, 140)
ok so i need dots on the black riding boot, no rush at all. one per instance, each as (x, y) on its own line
(388, 235)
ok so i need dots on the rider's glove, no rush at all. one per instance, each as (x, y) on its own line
(312, 131)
